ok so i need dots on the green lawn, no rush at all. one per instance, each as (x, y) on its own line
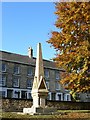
(60, 114)
(69, 111)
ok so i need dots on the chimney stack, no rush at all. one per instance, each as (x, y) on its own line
(30, 52)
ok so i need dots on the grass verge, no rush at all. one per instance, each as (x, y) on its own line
(61, 114)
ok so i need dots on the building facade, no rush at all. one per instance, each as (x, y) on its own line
(17, 74)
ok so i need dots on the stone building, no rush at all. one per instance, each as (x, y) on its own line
(17, 74)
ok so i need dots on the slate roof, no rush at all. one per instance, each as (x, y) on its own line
(24, 59)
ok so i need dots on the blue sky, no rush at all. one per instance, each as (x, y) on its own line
(25, 24)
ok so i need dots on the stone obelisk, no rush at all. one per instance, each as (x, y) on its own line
(39, 90)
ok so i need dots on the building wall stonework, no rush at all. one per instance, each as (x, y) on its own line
(52, 80)
(24, 63)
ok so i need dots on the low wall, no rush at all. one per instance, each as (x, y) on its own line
(18, 105)
(15, 104)
(69, 105)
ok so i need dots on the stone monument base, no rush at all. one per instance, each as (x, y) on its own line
(39, 111)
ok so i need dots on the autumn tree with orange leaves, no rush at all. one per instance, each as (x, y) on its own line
(72, 44)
